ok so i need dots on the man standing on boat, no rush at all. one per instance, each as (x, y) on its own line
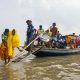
(54, 31)
(30, 31)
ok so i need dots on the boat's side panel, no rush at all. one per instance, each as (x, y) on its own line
(58, 52)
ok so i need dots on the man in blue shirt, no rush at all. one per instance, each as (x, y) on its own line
(30, 31)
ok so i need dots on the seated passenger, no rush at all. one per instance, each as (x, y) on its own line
(59, 39)
(72, 44)
(64, 41)
(35, 33)
(40, 31)
(78, 41)
(48, 44)
(71, 40)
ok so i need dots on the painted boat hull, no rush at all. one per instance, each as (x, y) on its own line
(56, 52)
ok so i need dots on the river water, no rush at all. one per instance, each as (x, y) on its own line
(46, 68)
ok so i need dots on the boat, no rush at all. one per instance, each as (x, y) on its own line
(55, 52)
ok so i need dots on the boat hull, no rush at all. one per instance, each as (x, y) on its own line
(56, 52)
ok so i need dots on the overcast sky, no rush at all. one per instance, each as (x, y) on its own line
(14, 13)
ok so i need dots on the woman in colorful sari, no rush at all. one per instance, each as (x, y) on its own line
(4, 48)
(0, 49)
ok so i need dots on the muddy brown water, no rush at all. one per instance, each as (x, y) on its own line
(46, 68)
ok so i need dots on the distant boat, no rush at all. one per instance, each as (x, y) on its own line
(56, 52)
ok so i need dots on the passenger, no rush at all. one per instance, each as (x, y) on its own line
(0, 50)
(35, 36)
(68, 37)
(60, 42)
(59, 36)
(78, 41)
(30, 31)
(73, 41)
(54, 31)
(35, 33)
(48, 44)
(13, 41)
(49, 32)
(4, 48)
(64, 41)
(40, 31)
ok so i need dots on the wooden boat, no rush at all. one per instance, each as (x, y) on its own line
(56, 52)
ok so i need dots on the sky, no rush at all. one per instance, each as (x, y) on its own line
(14, 13)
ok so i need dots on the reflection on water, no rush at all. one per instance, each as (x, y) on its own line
(46, 68)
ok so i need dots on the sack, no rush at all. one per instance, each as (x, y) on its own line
(45, 38)
(35, 43)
